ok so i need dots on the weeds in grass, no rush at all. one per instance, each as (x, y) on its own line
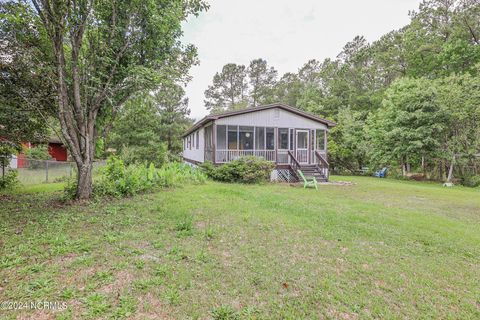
(184, 227)
(202, 256)
(104, 276)
(172, 295)
(68, 293)
(97, 304)
(139, 264)
(161, 270)
(126, 308)
(225, 312)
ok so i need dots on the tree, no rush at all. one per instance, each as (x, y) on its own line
(228, 90)
(262, 81)
(409, 125)
(97, 54)
(459, 97)
(172, 107)
(26, 98)
(136, 132)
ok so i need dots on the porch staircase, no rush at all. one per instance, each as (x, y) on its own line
(318, 170)
(312, 170)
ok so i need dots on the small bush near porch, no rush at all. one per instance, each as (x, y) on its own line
(248, 169)
(375, 249)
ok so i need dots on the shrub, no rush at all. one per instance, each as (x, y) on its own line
(9, 180)
(39, 152)
(118, 180)
(471, 181)
(243, 170)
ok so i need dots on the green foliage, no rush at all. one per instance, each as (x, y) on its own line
(228, 89)
(117, 179)
(9, 180)
(243, 170)
(38, 152)
(225, 312)
(471, 181)
(410, 123)
(148, 128)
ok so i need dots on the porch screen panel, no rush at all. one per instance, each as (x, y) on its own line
(221, 137)
(260, 138)
(291, 139)
(208, 138)
(320, 137)
(232, 137)
(270, 138)
(246, 138)
(283, 138)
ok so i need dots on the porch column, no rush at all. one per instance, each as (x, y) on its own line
(275, 142)
(214, 142)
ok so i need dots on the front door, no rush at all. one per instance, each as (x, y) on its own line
(302, 146)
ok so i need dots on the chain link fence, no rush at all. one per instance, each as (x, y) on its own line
(32, 171)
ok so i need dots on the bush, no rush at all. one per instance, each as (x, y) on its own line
(471, 181)
(118, 180)
(9, 180)
(39, 152)
(243, 170)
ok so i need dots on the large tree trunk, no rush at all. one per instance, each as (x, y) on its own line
(84, 181)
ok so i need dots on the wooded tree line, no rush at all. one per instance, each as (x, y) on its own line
(410, 99)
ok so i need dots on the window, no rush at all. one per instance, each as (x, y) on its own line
(270, 137)
(232, 137)
(320, 138)
(193, 140)
(283, 138)
(246, 138)
(259, 138)
(189, 142)
(198, 140)
(221, 137)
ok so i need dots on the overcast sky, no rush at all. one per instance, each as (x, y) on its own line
(287, 33)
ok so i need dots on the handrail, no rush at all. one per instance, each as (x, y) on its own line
(322, 159)
(323, 169)
(295, 161)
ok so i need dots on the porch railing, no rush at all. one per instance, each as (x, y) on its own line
(222, 156)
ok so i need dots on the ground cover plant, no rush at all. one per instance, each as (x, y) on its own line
(374, 249)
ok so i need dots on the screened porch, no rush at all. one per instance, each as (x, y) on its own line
(230, 142)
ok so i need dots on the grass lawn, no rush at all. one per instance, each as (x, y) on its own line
(376, 249)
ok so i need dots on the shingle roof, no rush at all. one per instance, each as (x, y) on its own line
(299, 112)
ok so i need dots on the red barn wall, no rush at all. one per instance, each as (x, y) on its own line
(57, 151)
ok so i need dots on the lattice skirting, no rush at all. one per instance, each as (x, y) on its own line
(282, 175)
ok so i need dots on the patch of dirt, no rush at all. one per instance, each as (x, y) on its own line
(122, 281)
(156, 309)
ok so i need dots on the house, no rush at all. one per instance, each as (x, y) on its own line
(291, 138)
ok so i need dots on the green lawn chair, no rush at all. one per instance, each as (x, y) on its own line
(312, 182)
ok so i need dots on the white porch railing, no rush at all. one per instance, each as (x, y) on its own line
(222, 156)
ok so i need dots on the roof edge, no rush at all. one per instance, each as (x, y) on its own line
(294, 110)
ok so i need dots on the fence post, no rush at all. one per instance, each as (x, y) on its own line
(46, 171)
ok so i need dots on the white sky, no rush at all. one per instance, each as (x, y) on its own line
(287, 33)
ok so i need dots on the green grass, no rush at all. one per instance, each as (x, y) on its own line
(375, 249)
